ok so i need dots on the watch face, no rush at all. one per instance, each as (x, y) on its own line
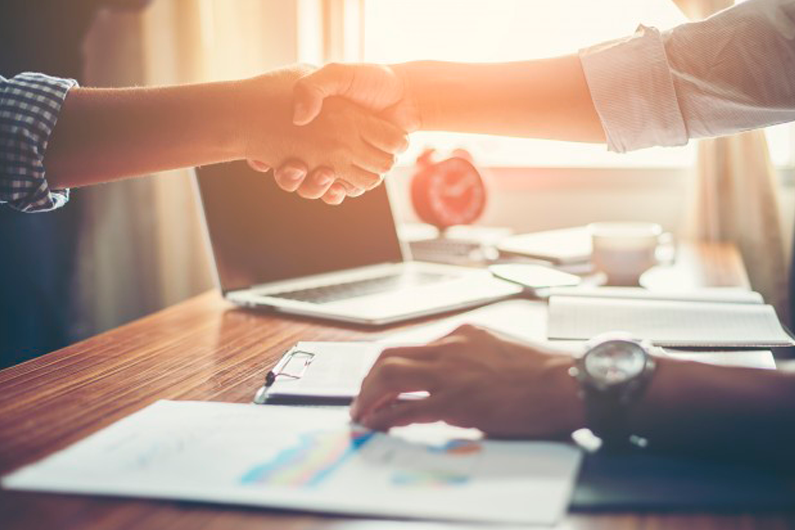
(615, 362)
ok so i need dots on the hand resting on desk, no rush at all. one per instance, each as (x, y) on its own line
(474, 378)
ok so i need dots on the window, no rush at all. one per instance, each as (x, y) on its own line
(506, 30)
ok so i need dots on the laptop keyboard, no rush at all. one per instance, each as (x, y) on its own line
(379, 284)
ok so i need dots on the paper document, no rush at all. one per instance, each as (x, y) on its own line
(683, 324)
(312, 459)
(321, 371)
(746, 358)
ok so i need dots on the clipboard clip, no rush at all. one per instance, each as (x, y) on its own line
(292, 366)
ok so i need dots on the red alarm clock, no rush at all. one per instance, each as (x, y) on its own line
(447, 193)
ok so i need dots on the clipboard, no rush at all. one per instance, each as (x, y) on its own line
(318, 373)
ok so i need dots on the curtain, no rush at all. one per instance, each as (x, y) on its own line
(144, 247)
(735, 197)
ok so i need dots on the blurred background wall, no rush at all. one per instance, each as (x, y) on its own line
(142, 247)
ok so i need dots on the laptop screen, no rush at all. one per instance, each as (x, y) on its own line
(261, 234)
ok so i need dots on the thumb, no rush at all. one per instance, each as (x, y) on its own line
(311, 90)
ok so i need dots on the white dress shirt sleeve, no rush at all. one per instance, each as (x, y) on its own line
(732, 72)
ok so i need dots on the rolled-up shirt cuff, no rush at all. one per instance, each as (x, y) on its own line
(633, 92)
(30, 104)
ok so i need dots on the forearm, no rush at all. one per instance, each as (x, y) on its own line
(539, 99)
(723, 410)
(108, 134)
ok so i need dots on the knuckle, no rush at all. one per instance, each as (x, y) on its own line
(391, 368)
(468, 330)
(335, 68)
(305, 86)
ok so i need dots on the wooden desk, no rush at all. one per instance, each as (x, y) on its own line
(205, 349)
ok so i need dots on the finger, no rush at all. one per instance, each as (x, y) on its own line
(426, 352)
(361, 178)
(385, 136)
(350, 189)
(387, 380)
(373, 159)
(317, 183)
(290, 175)
(311, 90)
(335, 194)
(468, 331)
(258, 165)
(401, 413)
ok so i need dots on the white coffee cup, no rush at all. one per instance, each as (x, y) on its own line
(623, 251)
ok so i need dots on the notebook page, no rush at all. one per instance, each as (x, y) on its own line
(667, 323)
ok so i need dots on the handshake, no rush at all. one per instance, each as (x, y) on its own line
(327, 133)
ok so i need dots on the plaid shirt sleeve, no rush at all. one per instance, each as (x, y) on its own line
(29, 108)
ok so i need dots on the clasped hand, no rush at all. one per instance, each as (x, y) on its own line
(340, 128)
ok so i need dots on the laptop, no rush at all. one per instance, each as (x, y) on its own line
(273, 249)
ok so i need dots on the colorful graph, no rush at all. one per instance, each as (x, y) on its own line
(311, 461)
(459, 448)
(451, 472)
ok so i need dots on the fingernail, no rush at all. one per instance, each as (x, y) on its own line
(294, 173)
(324, 178)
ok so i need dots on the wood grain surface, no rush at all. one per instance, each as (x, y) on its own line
(206, 349)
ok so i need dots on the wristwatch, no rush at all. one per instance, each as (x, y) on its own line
(613, 373)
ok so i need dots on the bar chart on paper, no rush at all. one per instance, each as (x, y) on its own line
(314, 458)
(311, 459)
(317, 456)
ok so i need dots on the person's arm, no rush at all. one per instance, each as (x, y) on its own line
(540, 99)
(57, 136)
(106, 134)
(719, 410)
(732, 72)
(29, 107)
(477, 379)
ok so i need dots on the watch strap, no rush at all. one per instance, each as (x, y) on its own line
(607, 409)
